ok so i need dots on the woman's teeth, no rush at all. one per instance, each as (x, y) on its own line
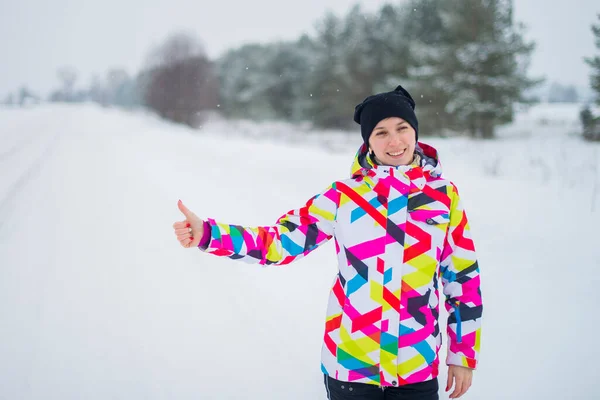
(397, 153)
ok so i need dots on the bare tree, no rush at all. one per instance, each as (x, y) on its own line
(67, 77)
(26, 96)
(96, 91)
(176, 48)
(180, 83)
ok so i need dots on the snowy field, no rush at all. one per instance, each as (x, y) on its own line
(99, 301)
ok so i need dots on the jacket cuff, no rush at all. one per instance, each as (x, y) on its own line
(205, 240)
(460, 360)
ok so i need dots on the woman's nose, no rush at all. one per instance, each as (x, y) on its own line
(395, 139)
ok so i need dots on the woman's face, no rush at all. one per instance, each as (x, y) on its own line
(393, 141)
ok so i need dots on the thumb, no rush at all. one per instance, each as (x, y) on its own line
(184, 209)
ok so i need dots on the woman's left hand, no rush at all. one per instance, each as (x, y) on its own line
(461, 377)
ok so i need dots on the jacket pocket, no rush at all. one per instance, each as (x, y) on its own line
(430, 217)
(434, 223)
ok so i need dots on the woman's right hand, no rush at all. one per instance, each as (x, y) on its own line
(189, 231)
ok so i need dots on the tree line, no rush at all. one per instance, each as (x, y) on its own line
(464, 61)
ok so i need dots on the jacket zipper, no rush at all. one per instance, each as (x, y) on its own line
(458, 321)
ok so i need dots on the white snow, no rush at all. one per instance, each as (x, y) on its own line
(99, 301)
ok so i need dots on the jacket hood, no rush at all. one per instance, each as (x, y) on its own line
(429, 161)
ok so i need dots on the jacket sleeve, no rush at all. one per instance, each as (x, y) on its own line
(460, 276)
(294, 235)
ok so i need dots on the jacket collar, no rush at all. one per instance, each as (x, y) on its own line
(428, 165)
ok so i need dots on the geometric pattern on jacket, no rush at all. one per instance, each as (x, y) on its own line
(398, 232)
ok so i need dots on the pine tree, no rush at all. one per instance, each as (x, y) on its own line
(591, 123)
(427, 52)
(474, 72)
(357, 56)
(392, 32)
(595, 63)
(362, 57)
(287, 70)
(267, 81)
(327, 82)
(242, 74)
(488, 64)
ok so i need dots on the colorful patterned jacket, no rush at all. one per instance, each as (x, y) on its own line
(398, 231)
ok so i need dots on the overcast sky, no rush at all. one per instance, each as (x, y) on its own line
(39, 36)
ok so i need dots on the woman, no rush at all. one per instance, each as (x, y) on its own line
(399, 226)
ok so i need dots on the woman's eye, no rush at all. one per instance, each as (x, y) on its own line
(381, 133)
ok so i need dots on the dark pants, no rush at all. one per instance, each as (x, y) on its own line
(338, 390)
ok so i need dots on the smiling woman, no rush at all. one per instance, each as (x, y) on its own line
(389, 127)
(399, 228)
(393, 142)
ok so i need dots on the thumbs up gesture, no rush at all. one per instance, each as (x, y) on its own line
(189, 231)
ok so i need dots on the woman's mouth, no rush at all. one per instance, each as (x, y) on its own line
(396, 154)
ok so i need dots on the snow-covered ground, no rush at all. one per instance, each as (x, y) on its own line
(99, 301)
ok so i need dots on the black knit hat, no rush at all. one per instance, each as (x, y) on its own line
(375, 108)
